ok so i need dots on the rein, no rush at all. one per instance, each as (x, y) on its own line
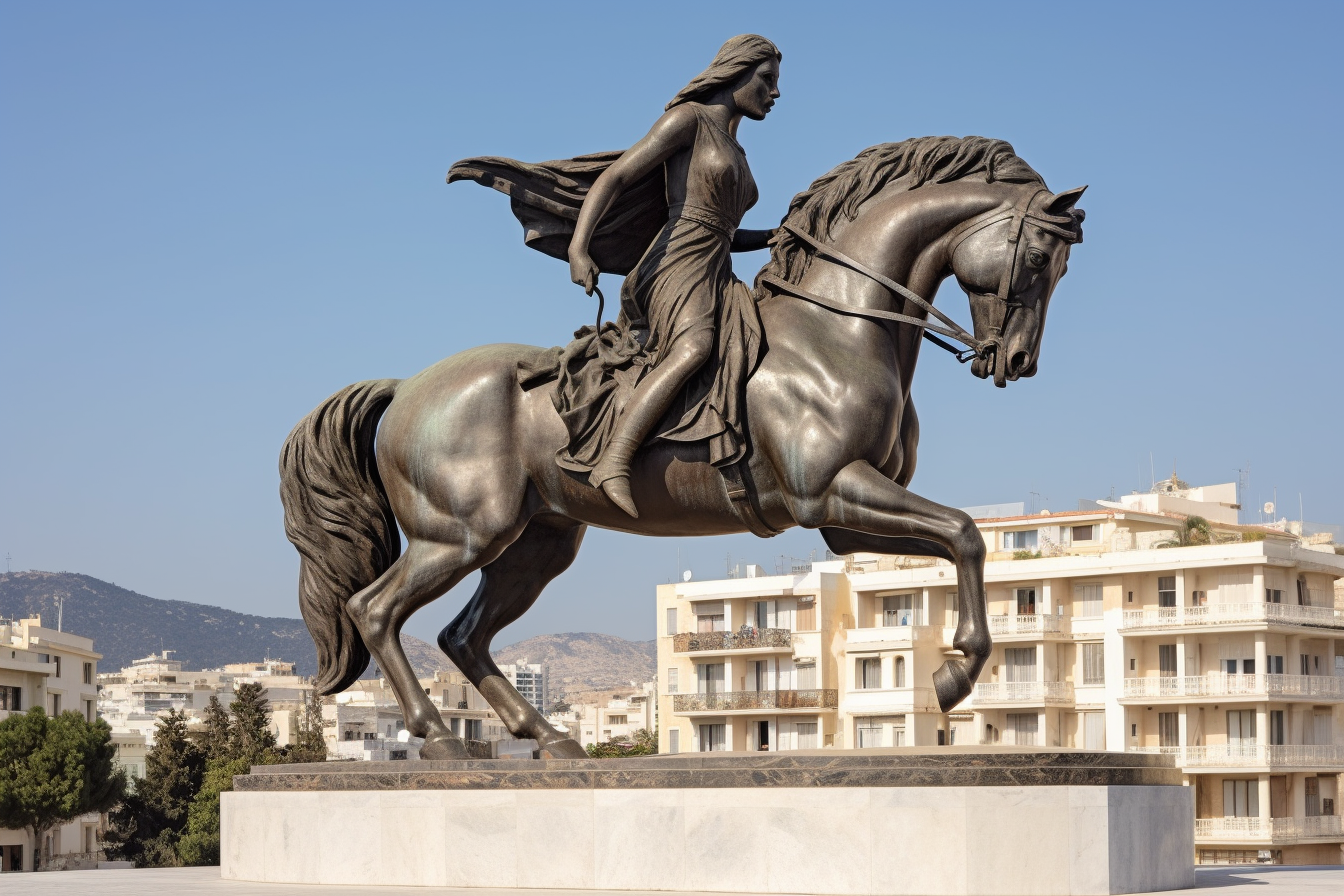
(1019, 213)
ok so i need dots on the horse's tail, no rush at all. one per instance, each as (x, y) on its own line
(338, 516)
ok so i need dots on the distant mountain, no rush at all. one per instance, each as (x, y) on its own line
(585, 661)
(125, 626)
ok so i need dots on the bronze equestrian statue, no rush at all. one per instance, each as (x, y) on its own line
(704, 408)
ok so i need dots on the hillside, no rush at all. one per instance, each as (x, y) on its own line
(585, 661)
(125, 626)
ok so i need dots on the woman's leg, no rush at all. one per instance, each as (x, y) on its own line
(646, 407)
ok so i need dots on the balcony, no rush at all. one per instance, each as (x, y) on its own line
(1232, 614)
(1023, 693)
(1275, 830)
(767, 639)
(886, 701)
(1223, 684)
(1034, 625)
(751, 701)
(1285, 756)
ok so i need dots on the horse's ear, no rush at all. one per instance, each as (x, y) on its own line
(1062, 202)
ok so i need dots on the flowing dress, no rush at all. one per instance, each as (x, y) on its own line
(682, 283)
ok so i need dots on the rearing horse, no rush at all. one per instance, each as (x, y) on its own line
(464, 460)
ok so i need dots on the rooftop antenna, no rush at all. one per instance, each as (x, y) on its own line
(1243, 485)
(1152, 471)
(8, 558)
(1301, 515)
(60, 612)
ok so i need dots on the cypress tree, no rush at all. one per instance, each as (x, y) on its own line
(250, 735)
(145, 828)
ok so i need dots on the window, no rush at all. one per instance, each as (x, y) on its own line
(55, 704)
(1169, 729)
(616, 720)
(1094, 730)
(1026, 601)
(807, 735)
(88, 673)
(1087, 600)
(1241, 726)
(869, 733)
(1276, 727)
(1166, 591)
(900, 609)
(57, 661)
(1241, 798)
(712, 738)
(1020, 541)
(1094, 663)
(11, 698)
(1312, 786)
(1274, 665)
(473, 729)
(1166, 660)
(709, 678)
(1083, 533)
(807, 676)
(900, 672)
(760, 676)
(807, 614)
(672, 675)
(1273, 596)
(671, 620)
(1020, 664)
(869, 672)
(709, 617)
(674, 740)
(1021, 728)
(88, 711)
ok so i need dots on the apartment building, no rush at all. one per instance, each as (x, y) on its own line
(530, 679)
(57, 671)
(1228, 654)
(616, 720)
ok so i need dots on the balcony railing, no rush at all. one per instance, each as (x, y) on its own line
(1223, 684)
(742, 639)
(739, 700)
(1233, 614)
(1044, 692)
(1026, 625)
(1253, 755)
(1279, 830)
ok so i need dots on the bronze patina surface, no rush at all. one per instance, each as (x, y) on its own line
(705, 408)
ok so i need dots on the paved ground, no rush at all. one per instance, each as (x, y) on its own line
(1217, 880)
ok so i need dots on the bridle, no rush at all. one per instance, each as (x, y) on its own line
(1018, 214)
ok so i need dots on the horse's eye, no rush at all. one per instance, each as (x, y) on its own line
(1036, 258)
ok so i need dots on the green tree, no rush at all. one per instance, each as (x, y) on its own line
(214, 731)
(309, 744)
(1194, 531)
(641, 743)
(200, 844)
(146, 827)
(53, 770)
(250, 735)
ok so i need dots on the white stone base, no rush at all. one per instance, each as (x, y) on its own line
(845, 841)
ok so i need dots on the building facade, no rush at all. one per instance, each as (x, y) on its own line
(1108, 634)
(530, 679)
(58, 671)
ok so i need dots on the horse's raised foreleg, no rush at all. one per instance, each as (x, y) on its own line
(862, 510)
(420, 575)
(509, 586)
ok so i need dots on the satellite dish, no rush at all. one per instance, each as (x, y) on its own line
(1269, 507)
(686, 576)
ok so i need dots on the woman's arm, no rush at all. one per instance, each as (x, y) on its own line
(751, 240)
(674, 131)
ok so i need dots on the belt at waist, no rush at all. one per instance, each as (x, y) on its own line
(706, 216)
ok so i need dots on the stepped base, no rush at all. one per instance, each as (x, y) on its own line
(951, 821)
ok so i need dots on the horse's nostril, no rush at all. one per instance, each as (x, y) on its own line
(1019, 362)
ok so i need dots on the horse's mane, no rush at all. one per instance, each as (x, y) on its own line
(836, 196)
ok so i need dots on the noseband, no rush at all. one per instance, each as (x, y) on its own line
(1019, 214)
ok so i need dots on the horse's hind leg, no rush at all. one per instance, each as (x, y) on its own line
(509, 586)
(419, 576)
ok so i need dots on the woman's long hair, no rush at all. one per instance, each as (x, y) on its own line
(735, 58)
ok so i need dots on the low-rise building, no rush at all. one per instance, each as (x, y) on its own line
(1125, 625)
(618, 719)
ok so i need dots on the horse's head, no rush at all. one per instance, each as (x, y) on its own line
(1008, 261)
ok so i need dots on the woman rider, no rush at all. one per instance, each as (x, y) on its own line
(683, 288)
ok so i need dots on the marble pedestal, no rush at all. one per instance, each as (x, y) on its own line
(957, 821)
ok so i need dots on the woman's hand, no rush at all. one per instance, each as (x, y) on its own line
(583, 271)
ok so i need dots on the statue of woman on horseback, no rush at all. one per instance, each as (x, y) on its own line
(757, 411)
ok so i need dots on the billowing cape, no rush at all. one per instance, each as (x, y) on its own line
(546, 198)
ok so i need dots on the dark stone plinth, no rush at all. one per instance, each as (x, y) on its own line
(898, 767)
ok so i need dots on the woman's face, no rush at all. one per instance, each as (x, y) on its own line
(756, 93)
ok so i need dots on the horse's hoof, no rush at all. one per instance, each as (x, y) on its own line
(443, 746)
(566, 748)
(952, 684)
(618, 490)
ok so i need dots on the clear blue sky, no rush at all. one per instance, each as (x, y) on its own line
(214, 215)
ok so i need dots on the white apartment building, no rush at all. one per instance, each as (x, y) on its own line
(530, 679)
(57, 671)
(618, 719)
(1229, 655)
